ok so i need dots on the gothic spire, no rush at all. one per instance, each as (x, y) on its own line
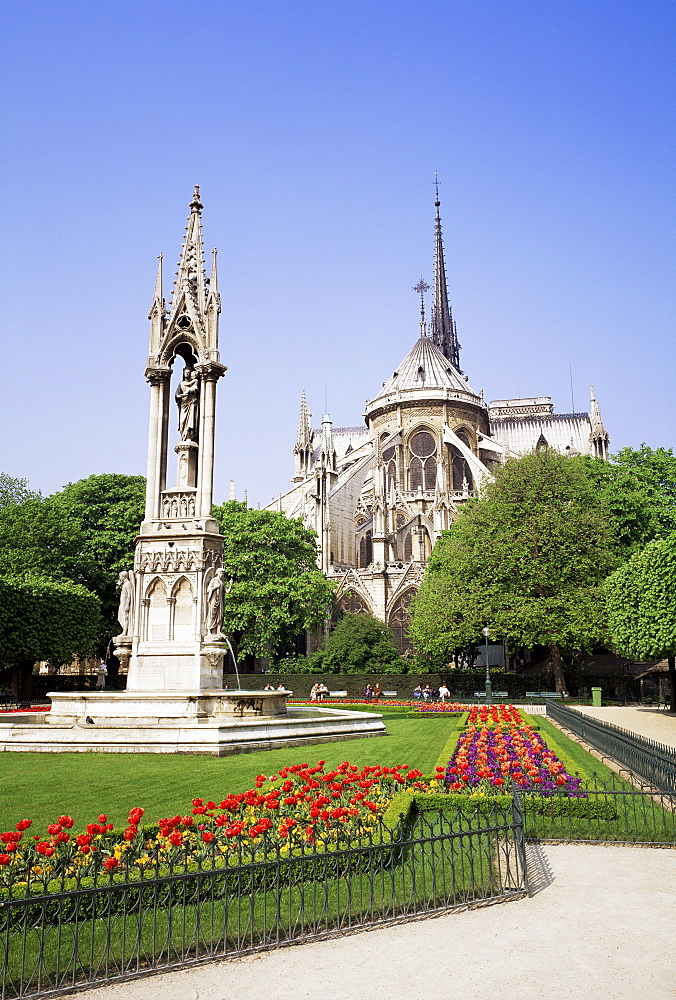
(444, 331)
(304, 437)
(327, 453)
(191, 281)
(599, 434)
(303, 448)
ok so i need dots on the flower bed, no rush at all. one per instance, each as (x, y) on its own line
(498, 747)
(346, 702)
(436, 707)
(297, 808)
(33, 708)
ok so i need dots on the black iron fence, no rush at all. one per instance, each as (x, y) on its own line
(619, 809)
(157, 916)
(654, 762)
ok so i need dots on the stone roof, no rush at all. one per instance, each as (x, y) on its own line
(568, 433)
(345, 440)
(425, 367)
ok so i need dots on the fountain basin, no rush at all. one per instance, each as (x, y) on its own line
(135, 708)
(215, 724)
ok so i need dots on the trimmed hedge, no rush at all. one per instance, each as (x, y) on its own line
(44, 619)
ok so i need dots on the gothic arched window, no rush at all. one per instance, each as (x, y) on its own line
(365, 551)
(422, 463)
(351, 601)
(390, 461)
(461, 474)
(399, 620)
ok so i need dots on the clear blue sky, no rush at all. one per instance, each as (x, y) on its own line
(314, 130)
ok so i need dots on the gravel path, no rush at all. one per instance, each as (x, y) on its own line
(653, 723)
(599, 927)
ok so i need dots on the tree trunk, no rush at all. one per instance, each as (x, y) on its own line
(16, 682)
(671, 660)
(22, 673)
(557, 666)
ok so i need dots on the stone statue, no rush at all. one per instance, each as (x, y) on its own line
(215, 597)
(125, 582)
(187, 400)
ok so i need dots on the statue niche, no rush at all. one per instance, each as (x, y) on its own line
(188, 403)
(187, 400)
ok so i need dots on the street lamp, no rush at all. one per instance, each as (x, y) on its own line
(489, 687)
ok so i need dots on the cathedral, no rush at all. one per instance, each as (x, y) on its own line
(379, 495)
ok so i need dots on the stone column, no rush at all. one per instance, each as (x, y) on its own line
(208, 418)
(157, 444)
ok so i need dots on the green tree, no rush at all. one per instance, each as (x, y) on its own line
(641, 602)
(655, 471)
(527, 560)
(628, 503)
(84, 533)
(277, 591)
(13, 491)
(360, 644)
(44, 619)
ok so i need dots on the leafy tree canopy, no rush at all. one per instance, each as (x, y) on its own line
(85, 533)
(359, 644)
(526, 560)
(13, 491)
(46, 619)
(43, 619)
(277, 590)
(641, 599)
(629, 505)
(655, 471)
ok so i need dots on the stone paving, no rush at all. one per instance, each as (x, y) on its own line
(598, 927)
(653, 723)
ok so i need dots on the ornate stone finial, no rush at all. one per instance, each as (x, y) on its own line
(196, 205)
(437, 203)
(421, 288)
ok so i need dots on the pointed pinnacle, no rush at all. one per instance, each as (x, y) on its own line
(158, 279)
(196, 205)
(213, 279)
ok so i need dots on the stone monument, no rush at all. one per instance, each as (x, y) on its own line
(172, 602)
(171, 608)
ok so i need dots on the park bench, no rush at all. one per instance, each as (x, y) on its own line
(495, 694)
(337, 694)
(543, 694)
(389, 694)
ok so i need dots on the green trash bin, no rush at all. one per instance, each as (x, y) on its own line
(596, 697)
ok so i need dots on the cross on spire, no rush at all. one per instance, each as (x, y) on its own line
(420, 289)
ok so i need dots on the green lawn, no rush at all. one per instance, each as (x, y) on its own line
(41, 786)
